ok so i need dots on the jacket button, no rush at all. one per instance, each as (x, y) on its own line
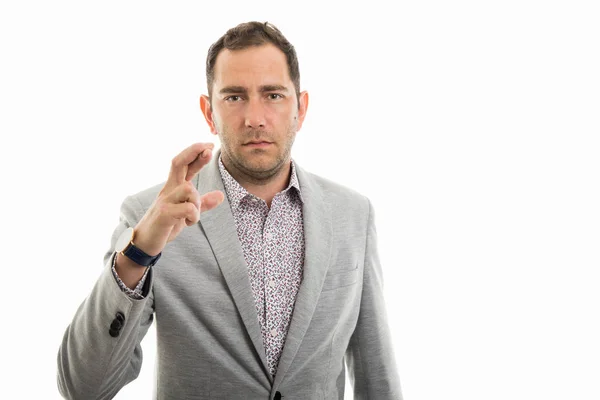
(116, 325)
(277, 396)
(120, 316)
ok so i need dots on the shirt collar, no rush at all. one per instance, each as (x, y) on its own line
(236, 192)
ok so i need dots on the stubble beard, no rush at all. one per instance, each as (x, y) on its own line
(257, 171)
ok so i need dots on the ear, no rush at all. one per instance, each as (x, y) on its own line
(303, 107)
(208, 114)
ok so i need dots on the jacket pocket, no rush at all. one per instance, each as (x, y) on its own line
(336, 279)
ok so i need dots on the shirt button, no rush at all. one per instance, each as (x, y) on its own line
(272, 282)
(273, 332)
(269, 236)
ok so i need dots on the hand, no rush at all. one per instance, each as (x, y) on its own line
(178, 203)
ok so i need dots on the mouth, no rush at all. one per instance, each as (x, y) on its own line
(258, 144)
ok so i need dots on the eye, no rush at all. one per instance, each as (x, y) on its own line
(233, 98)
(275, 96)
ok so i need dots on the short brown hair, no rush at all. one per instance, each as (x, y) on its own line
(252, 34)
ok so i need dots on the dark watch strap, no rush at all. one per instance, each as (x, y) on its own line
(139, 257)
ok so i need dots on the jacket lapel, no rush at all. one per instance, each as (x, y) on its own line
(317, 239)
(220, 229)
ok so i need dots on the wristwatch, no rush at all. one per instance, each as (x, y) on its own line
(126, 247)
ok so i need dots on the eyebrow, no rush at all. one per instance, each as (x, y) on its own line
(263, 89)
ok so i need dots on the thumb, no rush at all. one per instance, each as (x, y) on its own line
(211, 199)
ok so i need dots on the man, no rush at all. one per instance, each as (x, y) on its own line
(262, 297)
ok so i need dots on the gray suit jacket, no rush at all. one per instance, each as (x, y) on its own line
(209, 343)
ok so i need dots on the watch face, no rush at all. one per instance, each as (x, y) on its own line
(124, 240)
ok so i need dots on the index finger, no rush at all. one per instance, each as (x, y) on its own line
(181, 163)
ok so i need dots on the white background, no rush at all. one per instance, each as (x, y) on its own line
(473, 126)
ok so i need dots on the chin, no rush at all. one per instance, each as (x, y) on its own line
(261, 166)
(261, 163)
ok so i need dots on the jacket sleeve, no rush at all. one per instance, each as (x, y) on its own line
(370, 357)
(100, 352)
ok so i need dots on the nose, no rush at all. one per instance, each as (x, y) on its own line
(255, 114)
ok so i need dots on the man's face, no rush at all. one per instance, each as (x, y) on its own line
(254, 109)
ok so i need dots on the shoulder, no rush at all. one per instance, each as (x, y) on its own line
(147, 196)
(347, 210)
(341, 197)
(141, 201)
(335, 188)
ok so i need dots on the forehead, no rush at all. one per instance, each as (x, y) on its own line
(252, 66)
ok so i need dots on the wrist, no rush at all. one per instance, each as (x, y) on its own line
(126, 246)
(139, 240)
(128, 271)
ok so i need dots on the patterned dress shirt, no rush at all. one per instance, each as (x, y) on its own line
(272, 241)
